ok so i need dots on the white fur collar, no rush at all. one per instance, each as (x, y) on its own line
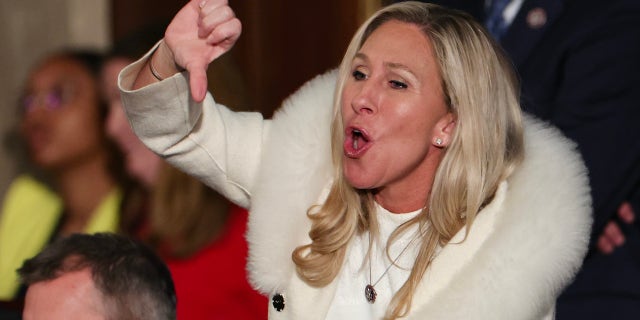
(537, 246)
(295, 168)
(540, 238)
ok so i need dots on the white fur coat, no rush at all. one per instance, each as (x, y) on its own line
(522, 250)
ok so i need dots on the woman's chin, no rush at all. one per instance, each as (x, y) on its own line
(359, 182)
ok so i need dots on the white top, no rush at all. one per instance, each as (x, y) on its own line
(349, 301)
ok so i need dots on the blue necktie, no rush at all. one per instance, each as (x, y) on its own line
(495, 23)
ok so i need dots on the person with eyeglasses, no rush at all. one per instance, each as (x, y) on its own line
(74, 185)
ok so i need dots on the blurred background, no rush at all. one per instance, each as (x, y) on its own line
(284, 43)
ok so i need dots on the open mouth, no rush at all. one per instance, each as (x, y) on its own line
(356, 142)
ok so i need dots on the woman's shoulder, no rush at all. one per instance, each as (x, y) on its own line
(27, 194)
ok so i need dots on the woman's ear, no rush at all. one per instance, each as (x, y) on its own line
(444, 129)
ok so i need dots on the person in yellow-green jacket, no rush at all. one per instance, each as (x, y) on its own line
(62, 125)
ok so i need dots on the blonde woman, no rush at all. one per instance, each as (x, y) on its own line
(423, 193)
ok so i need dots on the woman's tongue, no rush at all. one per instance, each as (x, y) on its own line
(356, 139)
(356, 144)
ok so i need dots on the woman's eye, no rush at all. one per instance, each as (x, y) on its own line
(358, 75)
(398, 84)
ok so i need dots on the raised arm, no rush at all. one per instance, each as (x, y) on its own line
(200, 32)
(172, 113)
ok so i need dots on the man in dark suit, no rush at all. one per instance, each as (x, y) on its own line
(579, 66)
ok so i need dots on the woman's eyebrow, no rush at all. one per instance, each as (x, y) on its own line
(389, 65)
(361, 56)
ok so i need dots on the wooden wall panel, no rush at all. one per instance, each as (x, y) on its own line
(284, 42)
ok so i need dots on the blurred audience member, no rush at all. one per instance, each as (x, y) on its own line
(100, 276)
(62, 123)
(198, 233)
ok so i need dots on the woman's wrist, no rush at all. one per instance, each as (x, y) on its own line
(161, 63)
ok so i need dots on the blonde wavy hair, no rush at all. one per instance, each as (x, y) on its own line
(481, 90)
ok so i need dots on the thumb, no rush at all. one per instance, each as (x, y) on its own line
(198, 82)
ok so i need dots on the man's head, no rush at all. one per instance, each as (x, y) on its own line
(100, 276)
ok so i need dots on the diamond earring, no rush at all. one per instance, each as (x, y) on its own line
(439, 141)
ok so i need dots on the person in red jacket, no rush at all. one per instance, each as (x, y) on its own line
(196, 231)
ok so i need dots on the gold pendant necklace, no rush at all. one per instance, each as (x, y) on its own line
(369, 290)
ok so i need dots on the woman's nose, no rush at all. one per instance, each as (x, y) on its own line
(366, 99)
(35, 115)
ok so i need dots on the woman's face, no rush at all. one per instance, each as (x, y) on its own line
(61, 117)
(393, 110)
(141, 162)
